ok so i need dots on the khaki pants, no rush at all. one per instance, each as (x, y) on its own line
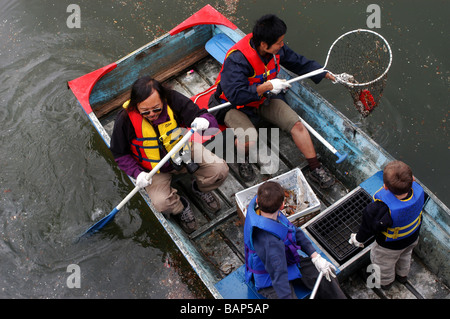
(276, 112)
(392, 262)
(210, 175)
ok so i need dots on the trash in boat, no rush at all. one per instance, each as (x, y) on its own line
(301, 201)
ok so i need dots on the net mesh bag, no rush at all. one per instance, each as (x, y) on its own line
(360, 61)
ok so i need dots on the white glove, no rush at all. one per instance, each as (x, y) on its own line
(141, 180)
(354, 242)
(201, 123)
(324, 266)
(279, 85)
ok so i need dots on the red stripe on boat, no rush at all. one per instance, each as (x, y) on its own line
(82, 86)
(206, 15)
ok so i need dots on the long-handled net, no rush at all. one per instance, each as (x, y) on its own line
(360, 60)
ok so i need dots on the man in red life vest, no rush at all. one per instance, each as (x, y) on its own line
(248, 76)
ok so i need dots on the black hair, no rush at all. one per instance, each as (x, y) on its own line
(142, 88)
(269, 29)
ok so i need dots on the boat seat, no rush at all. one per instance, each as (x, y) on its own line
(373, 183)
(234, 286)
(218, 46)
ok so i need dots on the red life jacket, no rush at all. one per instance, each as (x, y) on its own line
(262, 72)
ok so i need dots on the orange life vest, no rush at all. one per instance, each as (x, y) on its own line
(262, 72)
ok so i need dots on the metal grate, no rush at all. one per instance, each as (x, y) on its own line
(333, 229)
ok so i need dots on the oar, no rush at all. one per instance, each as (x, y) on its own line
(316, 285)
(341, 156)
(102, 222)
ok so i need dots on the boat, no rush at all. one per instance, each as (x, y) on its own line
(188, 58)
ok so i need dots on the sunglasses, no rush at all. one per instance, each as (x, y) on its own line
(157, 110)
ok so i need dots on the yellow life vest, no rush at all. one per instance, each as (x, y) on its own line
(146, 147)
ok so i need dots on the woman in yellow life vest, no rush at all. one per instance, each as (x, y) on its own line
(394, 218)
(146, 129)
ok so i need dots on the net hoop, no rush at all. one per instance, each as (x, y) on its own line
(365, 83)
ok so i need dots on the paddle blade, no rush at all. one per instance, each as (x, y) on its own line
(101, 223)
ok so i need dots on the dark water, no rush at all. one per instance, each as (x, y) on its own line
(56, 175)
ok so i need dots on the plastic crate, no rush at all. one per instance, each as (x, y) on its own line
(293, 180)
(333, 229)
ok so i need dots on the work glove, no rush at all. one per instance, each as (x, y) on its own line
(322, 265)
(141, 180)
(279, 85)
(201, 123)
(354, 242)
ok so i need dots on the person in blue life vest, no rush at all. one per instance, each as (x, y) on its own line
(272, 245)
(394, 218)
(249, 81)
(146, 129)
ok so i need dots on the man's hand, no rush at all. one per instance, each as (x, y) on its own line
(329, 76)
(279, 85)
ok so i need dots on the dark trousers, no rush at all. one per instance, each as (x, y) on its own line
(327, 289)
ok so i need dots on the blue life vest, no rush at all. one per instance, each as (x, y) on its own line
(284, 230)
(406, 214)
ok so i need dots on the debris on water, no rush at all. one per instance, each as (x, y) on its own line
(97, 213)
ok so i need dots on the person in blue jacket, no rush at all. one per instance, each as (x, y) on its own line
(394, 218)
(272, 246)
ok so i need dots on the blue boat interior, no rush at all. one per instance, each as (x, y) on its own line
(218, 46)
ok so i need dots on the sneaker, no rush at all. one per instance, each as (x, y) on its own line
(208, 198)
(401, 279)
(186, 218)
(246, 171)
(387, 287)
(322, 176)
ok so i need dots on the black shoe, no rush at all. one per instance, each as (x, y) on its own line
(387, 287)
(401, 279)
(208, 198)
(322, 176)
(246, 171)
(186, 218)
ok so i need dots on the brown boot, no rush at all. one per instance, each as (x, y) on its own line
(207, 198)
(186, 218)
